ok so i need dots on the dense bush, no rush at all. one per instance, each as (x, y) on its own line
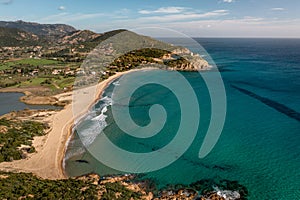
(116, 188)
(137, 57)
(28, 186)
(18, 133)
(16, 185)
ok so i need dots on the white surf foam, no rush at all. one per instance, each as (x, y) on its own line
(96, 124)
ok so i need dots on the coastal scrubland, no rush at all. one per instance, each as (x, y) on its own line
(43, 62)
(28, 186)
(16, 138)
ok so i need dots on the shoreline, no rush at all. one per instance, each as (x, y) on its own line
(100, 87)
(99, 92)
(29, 98)
(48, 162)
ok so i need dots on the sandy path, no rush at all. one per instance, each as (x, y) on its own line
(47, 162)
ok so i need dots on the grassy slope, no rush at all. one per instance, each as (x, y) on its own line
(29, 61)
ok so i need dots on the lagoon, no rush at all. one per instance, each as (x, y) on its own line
(10, 101)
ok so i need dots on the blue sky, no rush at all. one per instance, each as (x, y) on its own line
(197, 18)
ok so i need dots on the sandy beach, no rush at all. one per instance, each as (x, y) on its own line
(47, 161)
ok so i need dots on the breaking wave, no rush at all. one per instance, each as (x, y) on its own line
(89, 128)
(96, 123)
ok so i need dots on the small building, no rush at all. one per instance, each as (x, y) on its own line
(56, 71)
(69, 72)
(80, 72)
(34, 72)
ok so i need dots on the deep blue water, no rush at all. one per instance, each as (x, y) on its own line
(260, 143)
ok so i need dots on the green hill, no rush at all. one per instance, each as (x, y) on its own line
(39, 29)
(13, 37)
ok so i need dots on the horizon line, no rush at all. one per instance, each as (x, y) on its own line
(204, 37)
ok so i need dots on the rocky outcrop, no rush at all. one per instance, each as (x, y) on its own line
(182, 59)
(78, 37)
(104, 184)
(11, 37)
(202, 190)
(184, 193)
(196, 63)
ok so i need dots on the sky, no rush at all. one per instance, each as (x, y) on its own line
(195, 18)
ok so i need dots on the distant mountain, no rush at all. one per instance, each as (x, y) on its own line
(13, 37)
(40, 29)
(65, 43)
(20, 33)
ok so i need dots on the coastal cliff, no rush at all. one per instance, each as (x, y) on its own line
(194, 62)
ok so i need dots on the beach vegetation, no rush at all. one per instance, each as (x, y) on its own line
(28, 186)
(14, 134)
(116, 188)
(23, 185)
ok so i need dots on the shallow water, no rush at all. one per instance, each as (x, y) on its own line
(260, 143)
(10, 101)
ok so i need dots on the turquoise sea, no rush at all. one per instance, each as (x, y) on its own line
(260, 144)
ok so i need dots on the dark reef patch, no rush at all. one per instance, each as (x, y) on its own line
(273, 104)
(82, 161)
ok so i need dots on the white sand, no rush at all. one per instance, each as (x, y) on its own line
(47, 161)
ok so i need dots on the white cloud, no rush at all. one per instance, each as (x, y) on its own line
(250, 19)
(243, 27)
(185, 16)
(61, 8)
(68, 17)
(278, 9)
(164, 10)
(228, 1)
(248, 26)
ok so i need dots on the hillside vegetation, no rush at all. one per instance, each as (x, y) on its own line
(39, 29)
(16, 37)
(28, 186)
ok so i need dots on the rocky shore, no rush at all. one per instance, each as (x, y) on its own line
(200, 190)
